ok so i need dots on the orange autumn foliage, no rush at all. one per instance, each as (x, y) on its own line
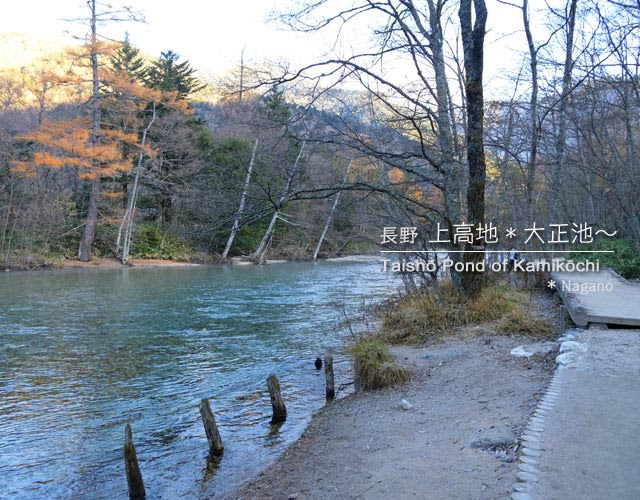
(415, 191)
(69, 143)
(396, 175)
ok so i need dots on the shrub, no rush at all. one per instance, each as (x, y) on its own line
(521, 320)
(150, 241)
(625, 260)
(374, 366)
(419, 316)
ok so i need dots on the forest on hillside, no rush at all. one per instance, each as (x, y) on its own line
(106, 152)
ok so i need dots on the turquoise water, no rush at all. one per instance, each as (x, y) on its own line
(85, 351)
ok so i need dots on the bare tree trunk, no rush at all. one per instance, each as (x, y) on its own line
(450, 164)
(331, 214)
(473, 44)
(247, 181)
(533, 112)
(242, 75)
(257, 254)
(561, 163)
(8, 217)
(89, 230)
(127, 220)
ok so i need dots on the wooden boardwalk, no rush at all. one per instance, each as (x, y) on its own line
(599, 297)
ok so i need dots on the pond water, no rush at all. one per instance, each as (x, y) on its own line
(82, 352)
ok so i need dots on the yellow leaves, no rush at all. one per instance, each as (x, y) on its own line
(147, 150)
(396, 175)
(492, 170)
(24, 168)
(71, 143)
(113, 195)
(140, 96)
(45, 159)
(414, 190)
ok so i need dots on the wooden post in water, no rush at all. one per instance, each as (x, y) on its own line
(134, 478)
(279, 410)
(210, 428)
(328, 373)
(563, 319)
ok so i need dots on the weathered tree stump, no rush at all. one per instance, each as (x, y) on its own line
(318, 363)
(279, 410)
(134, 478)
(210, 428)
(328, 373)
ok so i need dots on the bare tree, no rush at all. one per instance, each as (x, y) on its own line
(332, 214)
(243, 198)
(258, 254)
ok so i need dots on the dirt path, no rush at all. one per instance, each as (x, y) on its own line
(367, 446)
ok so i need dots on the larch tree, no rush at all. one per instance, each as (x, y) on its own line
(100, 154)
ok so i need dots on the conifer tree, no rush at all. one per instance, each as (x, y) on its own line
(169, 75)
(128, 61)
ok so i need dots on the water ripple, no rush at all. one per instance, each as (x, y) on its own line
(85, 351)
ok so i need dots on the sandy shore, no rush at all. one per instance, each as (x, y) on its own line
(115, 264)
(367, 446)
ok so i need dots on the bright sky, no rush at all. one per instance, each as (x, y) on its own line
(212, 34)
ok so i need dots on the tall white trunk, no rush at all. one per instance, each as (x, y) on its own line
(331, 213)
(236, 222)
(257, 254)
(127, 221)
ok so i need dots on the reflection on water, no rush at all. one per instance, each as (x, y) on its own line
(85, 351)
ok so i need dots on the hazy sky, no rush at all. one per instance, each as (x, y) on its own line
(212, 33)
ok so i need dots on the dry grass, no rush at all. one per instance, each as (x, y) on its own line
(521, 320)
(429, 314)
(373, 364)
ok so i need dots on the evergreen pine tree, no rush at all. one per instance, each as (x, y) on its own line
(127, 60)
(277, 108)
(169, 75)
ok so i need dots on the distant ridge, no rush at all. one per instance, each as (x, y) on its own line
(23, 49)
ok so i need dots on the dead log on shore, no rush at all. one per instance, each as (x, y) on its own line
(328, 373)
(279, 409)
(210, 428)
(134, 478)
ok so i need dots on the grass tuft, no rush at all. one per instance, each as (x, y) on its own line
(521, 320)
(374, 365)
(425, 315)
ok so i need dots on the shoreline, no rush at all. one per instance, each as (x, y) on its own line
(454, 430)
(112, 263)
(460, 434)
(101, 263)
